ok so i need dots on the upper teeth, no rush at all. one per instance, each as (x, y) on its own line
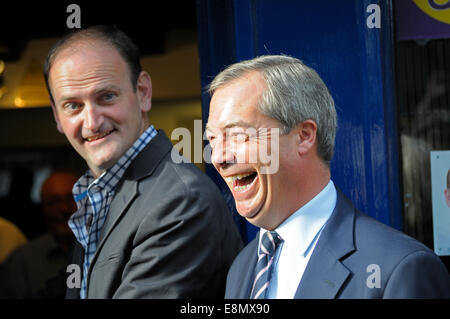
(231, 179)
(96, 137)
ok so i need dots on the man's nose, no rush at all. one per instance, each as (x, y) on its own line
(94, 118)
(222, 154)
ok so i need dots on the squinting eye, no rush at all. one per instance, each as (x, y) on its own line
(209, 136)
(240, 136)
(108, 96)
(72, 106)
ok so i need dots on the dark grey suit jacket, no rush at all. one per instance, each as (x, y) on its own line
(338, 267)
(168, 233)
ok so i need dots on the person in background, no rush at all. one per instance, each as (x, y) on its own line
(313, 243)
(146, 227)
(10, 238)
(27, 270)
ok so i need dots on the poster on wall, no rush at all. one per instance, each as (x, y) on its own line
(422, 19)
(440, 190)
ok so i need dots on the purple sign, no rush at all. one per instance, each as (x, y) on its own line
(422, 19)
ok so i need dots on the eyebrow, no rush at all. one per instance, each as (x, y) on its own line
(232, 124)
(111, 87)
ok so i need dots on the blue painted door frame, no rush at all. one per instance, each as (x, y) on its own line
(355, 62)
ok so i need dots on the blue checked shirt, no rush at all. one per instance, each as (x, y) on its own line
(93, 198)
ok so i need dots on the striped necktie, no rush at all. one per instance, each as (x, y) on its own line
(269, 243)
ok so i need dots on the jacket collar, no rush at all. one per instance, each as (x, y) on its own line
(148, 159)
(325, 273)
(127, 190)
(143, 165)
(247, 269)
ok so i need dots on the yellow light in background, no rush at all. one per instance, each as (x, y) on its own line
(2, 91)
(2, 88)
(19, 102)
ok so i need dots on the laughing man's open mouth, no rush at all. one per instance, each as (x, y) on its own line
(241, 182)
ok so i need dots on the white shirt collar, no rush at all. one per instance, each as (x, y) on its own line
(300, 229)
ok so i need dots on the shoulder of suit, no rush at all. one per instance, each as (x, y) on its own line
(374, 235)
(182, 177)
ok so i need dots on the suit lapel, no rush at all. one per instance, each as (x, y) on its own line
(247, 270)
(122, 199)
(325, 274)
(143, 165)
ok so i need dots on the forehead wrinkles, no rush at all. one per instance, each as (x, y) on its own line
(85, 63)
(93, 76)
(67, 76)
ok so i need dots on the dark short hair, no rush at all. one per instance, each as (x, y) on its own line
(110, 35)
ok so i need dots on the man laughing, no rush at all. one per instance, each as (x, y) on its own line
(313, 243)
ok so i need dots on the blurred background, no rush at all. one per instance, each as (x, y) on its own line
(387, 69)
(167, 37)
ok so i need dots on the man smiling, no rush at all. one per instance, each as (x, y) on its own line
(313, 243)
(142, 219)
(95, 105)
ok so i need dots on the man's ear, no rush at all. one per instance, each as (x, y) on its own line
(306, 136)
(144, 90)
(55, 116)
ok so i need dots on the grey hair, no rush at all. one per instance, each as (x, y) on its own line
(295, 93)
